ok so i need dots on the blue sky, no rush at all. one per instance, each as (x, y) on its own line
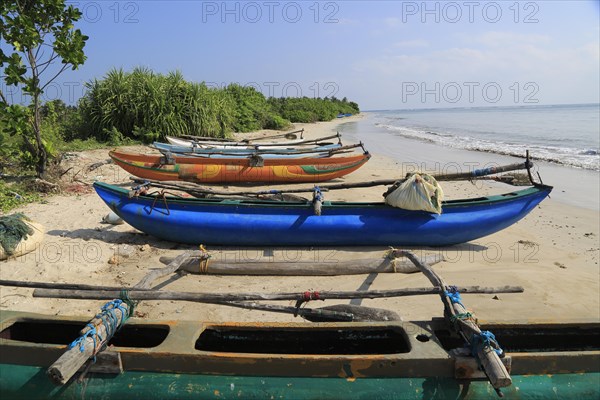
(382, 54)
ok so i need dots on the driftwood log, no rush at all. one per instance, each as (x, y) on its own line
(490, 361)
(224, 297)
(197, 264)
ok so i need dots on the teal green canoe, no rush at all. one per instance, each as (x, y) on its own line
(375, 360)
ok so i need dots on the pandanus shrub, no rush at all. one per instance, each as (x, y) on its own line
(146, 105)
(150, 106)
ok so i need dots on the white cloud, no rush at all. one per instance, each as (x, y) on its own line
(348, 22)
(497, 39)
(563, 74)
(412, 43)
(392, 22)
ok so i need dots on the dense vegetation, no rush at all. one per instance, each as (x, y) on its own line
(304, 109)
(42, 42)
(147, 106)
(143, 106)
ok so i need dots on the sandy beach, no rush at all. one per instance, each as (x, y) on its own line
(553, 253)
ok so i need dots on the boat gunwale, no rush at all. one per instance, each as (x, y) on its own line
(220, 201)
(182, 356)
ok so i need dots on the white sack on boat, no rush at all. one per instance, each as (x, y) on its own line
(420, 192)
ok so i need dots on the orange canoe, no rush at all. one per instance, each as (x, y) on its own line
(229, 170)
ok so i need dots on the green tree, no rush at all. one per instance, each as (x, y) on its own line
(40, 33)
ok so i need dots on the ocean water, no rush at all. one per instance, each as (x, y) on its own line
(564, 142)
(563, 134)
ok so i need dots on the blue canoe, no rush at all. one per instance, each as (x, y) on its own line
(221, 221)
(319, 151)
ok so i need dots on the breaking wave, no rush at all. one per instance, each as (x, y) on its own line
(564, 155)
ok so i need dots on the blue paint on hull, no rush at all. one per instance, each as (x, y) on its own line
(255, 222)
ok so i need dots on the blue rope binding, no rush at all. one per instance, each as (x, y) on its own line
(454, 296)
(109, 319)
(317, 195)
(485, 338)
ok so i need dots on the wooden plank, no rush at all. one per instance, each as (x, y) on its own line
(196, 265)
(222, 297)
(107, 362)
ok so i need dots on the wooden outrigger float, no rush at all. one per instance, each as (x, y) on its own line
(351, 360)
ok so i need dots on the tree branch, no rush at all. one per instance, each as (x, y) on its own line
(46, 64)
(55, 76)
(4, 100)
(37, 52)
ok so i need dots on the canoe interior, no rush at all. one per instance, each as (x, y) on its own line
(337, 204)
(298, 360)
(277, 349)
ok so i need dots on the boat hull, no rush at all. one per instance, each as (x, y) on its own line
(32, 383)
(231, 170)
(256, 223)
(375, 360)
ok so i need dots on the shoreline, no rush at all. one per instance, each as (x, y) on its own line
(553, 253)
(572, 186)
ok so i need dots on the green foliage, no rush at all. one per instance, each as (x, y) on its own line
(147, 106)
(14, 120)
(40, 32)
(277, 123)
(251, 111)
(304, 109)
(13, 196)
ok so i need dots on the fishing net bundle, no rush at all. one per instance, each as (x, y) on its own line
(419, 192)
(13, 229)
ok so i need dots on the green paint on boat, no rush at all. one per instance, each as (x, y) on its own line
(27, 382)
